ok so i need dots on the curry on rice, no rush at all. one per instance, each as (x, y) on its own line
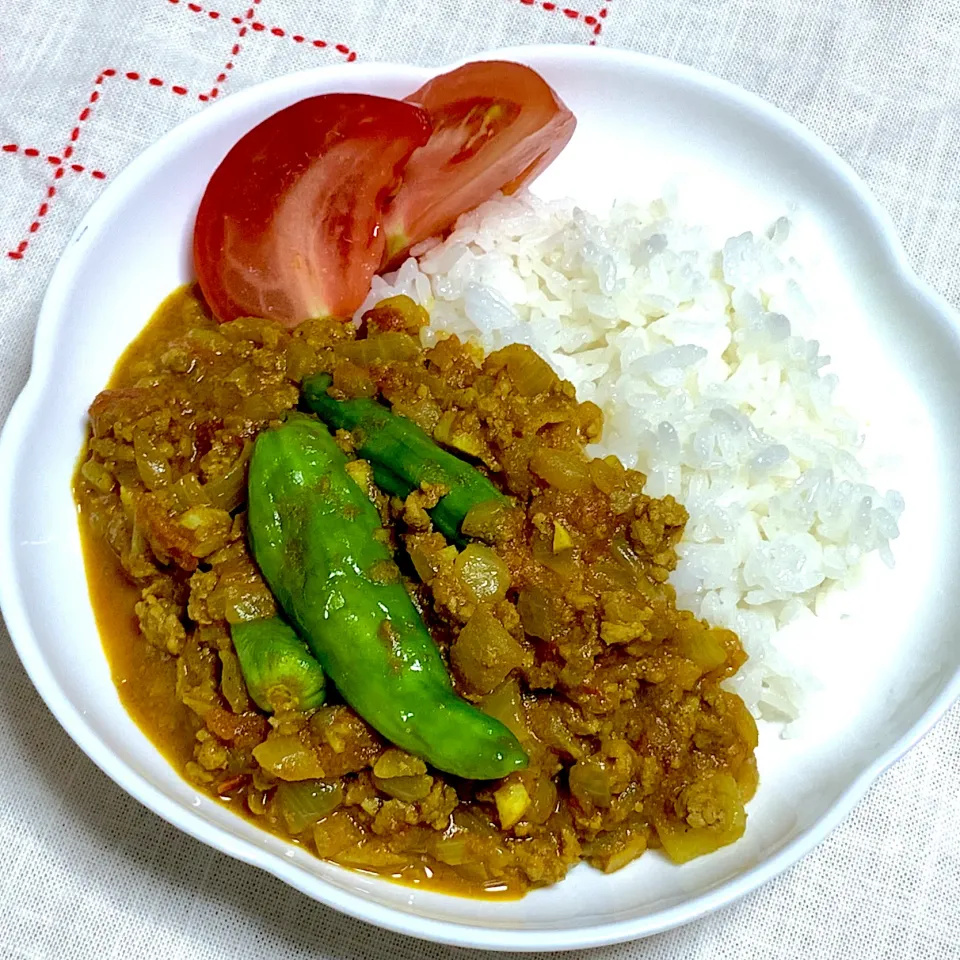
(552, 612)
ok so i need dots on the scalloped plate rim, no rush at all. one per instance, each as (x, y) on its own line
(878, 227)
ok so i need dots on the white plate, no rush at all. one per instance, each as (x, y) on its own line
(641, 120)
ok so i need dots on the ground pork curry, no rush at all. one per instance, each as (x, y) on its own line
(549, 608)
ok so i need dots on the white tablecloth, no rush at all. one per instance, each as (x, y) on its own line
(86, 85)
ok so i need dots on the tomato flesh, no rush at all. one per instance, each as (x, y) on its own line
(289, 225)
(496, 126)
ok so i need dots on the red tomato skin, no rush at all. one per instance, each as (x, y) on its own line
(289, 226)
(497, 125)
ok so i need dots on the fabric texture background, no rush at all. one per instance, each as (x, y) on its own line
(86, 871)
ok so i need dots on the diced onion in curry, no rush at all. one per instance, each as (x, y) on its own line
(556, 618)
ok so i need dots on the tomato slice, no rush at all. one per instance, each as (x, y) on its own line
(289, 225)
(496, 125)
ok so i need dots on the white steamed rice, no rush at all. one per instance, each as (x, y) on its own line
(690, 353)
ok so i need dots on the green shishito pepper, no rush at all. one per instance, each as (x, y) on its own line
(318, 541)
(403, 456)
(277, 666)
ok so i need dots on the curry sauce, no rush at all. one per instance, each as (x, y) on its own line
(557, 617)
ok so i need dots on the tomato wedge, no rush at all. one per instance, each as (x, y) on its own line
(289, 225)
(496, 125)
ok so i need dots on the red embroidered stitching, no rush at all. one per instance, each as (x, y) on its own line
(214, 91)
(258, 27)
(196, 8)
(594, 21)
(67, 152)
(341, 48)
(245, 23)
